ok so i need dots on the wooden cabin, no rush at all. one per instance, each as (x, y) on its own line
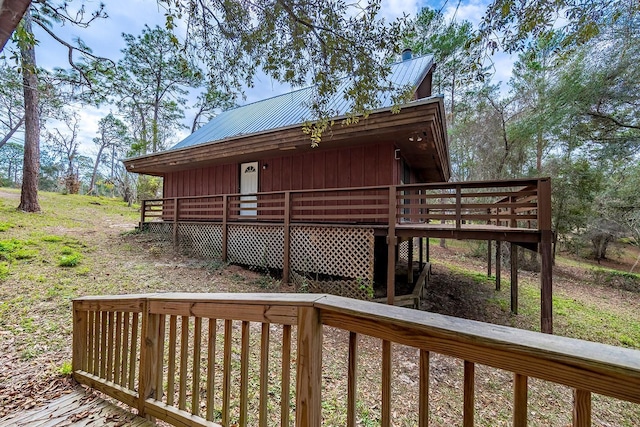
(339, 218)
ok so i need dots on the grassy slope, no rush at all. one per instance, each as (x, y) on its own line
(36, 293)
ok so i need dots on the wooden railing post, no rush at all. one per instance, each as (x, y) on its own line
(309, 383)
(78, 361)
(546, 267)
(225, 217)
(581, 408)
(392, 242)
(149, 357)
(143, 207)
(458, 207)
(286, 256)
(175, 222)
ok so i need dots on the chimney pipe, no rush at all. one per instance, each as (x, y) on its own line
(407, 54)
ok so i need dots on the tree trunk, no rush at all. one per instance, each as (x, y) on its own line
(31, 167)
(95, 170)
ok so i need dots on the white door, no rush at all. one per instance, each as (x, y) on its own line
(249, 185)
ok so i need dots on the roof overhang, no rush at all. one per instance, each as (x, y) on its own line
(11, 12)
(418, 130)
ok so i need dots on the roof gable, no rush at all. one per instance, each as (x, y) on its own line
(291, 109)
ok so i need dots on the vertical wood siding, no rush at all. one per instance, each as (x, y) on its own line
(336, 168)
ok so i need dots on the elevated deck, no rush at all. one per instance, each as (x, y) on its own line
(290, 230)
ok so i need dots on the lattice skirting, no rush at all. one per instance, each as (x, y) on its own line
(334, 251)
(356, 288)
(403, 249)
(257, 245)
(344, 252)
(200, 240)
(162, 230)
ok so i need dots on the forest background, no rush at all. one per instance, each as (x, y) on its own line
(571, 109)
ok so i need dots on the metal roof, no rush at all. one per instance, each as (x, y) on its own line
(292, 108)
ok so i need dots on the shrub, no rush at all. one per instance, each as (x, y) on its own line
(70, 260)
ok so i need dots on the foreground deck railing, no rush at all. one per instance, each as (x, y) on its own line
(524, 203)
(198, 359)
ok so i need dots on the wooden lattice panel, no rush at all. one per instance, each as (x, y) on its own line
(335, 251)
(258, 245)
(200, 240)
(357, 288)
(403, 249)
(162, 230)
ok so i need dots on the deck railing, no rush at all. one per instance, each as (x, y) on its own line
(202, 359)
(517, 203)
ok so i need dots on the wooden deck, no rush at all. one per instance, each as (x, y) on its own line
(78, 408)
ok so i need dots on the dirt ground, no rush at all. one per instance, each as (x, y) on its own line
(30, 358)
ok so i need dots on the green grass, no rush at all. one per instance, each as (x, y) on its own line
(4, 226)
(70, 260)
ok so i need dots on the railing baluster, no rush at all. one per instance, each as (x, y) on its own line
(469, 394)
(226, 375)
(90, 341)
(95, 370)
(184, 354)
(352, 376)
(211, 363)
(103, 344)
(386, 383)
(79, 339)
(581, 408)
(125, 350)
(520, 389)
(160, 358)
(195, 389)
(134, 350)
(110, 342)
(118, 349)
(171, 367)
(264, 374)
(286, 376)
(423, 398)
(309, 399)
(244, 374)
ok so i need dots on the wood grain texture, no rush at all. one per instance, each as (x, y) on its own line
(171, 363)
(244, 374)
(423, 392)
(352, 375)
(195, 386)
(184, 358)
(386, 384)
(581, 408)
(468, 408)
(226, 374)
(285, 384)
(520, 390)
(211, 367)
(264, 374)
(308, 399)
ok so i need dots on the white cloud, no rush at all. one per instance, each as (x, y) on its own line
(471, 11)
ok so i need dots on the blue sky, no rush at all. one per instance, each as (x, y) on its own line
(105, 38)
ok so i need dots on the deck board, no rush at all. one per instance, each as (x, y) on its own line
(77, 408)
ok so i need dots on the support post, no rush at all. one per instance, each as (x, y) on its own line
(175, 222)
(225, 231)
(514, 278)
(143, 207)
(309, 383)
(498, 264)
(421, 253)
(392, 242)
(149, 356)
(546, 267)
(489, 255)
(410, 260)
(581, 408)
(286, 255)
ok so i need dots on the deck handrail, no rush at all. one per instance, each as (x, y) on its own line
(127, 347)
(523, 203)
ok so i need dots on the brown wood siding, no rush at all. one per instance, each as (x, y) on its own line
(367, 165)
(339, 168)
(221, 179)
